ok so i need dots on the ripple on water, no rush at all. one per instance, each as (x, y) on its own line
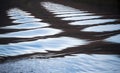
(114, 39)
(32, 33)
(80, 18)
(81, 63)
(21, 17)
(27, 25)
(67, 12)
(17, 12)
(74, 14)
(41, 45)
(60, 9)
(27, 20)
(92, 22)
(102, 28)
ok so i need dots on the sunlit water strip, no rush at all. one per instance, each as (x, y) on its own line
(114, 39)
(68, 13)
(102, 28)
(81, 18)
(71, 15)
(25, 20)
(92, 22)
(27, 25)
(81, 63)
(32, 33)
(17, 12)
(40, 45)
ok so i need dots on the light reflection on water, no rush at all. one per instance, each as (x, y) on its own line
(69, 12)
(27, 25)
(114, 39)
(92, 22)
(65, 11)
(102, 28)
(81, 63)
(41, 45)
(26, 20)
(17, 12)
(21, 17)
(80, 18)
(32, 33)
(71, 15)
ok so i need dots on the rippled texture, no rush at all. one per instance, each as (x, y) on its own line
(32, 33)
(71, 64)
(70, 15)
(40, 45)
(114, 39)
(92, 22)
(102, 28)
(44, 48)
(27, 25)
(26, 20)
(81, 18)
(65, 11)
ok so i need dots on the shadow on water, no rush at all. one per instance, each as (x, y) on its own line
(35, 27)
(82, 39)
(81, 42)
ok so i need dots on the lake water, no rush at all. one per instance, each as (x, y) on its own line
(43, 38)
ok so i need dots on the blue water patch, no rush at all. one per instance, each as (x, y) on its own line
(92, 22)
(17, 12)
(114, 39)
(27, 20)
(60, 9)
(21, 17)
(102, 28)
(81, 63)
(32, 33)
(80, 18)
(73, 15)
(40, 45)
(27, 25)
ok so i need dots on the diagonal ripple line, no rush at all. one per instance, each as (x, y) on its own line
(75, 15)
(41, 45)
(32, 33)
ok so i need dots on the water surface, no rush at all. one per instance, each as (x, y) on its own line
(32, 33)
(102, 28)
(27, 25)
(40, 45)
(81, 63)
